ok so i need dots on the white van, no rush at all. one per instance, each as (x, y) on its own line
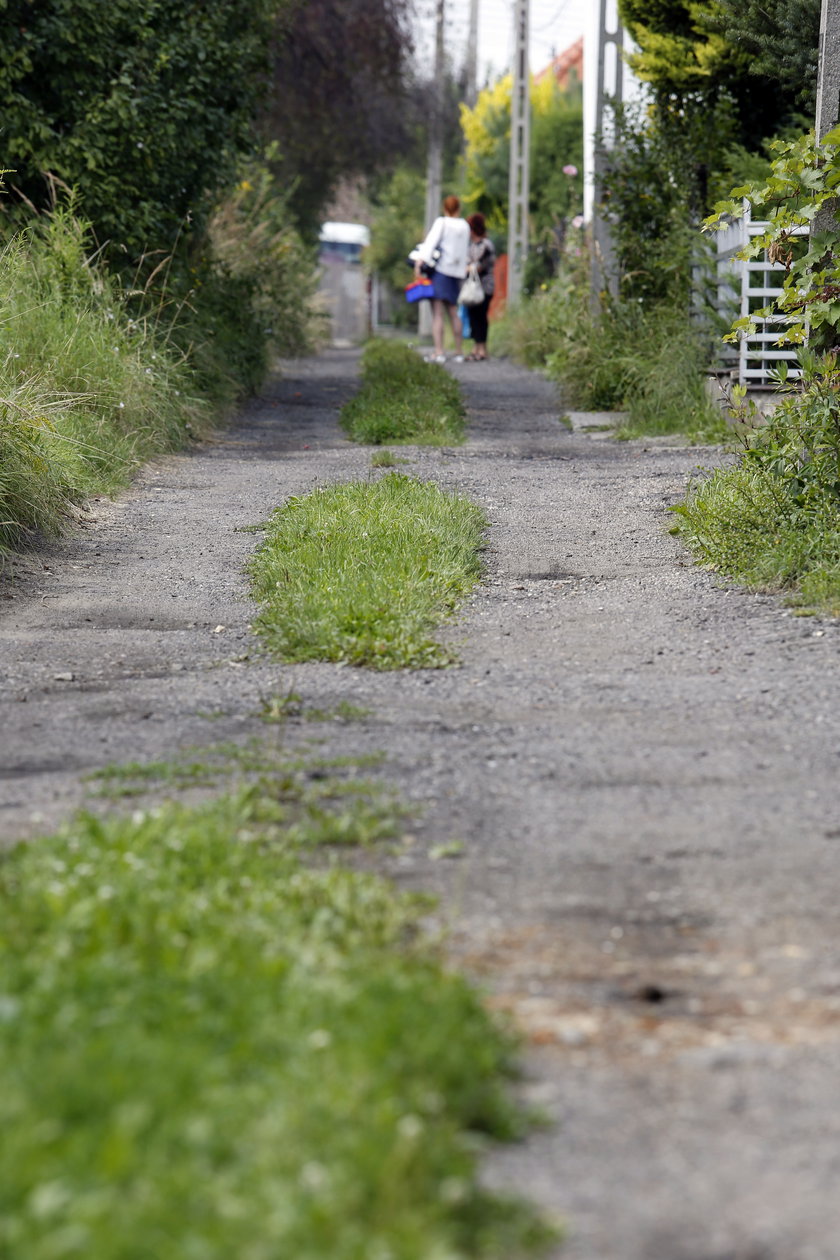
(344, 284)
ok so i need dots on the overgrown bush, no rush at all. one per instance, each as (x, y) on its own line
(142, 106)
(646, 359)
(245, 293)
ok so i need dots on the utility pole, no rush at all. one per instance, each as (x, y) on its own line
(604, 276)
(434, 166)
(471, 93)
(828, 80)
(518, 187)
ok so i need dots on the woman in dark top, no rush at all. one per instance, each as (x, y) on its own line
(483, 255)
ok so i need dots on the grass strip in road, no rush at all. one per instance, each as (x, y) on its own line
(209, 1049)
(363, 573)
(404, 400)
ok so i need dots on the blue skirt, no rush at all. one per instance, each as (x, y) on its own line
(446, 288)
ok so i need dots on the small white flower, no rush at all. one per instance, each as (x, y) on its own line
(410, 1127)
(313, 1176)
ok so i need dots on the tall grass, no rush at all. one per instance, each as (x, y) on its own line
(86, 392)
(773, 519)
(98, 375)
(363, 573)
(646, 359)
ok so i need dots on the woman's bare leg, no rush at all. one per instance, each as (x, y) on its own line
(455, 321)
(437, 324)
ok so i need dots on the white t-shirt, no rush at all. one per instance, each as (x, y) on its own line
(452, 238)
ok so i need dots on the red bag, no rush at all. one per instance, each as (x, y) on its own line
(419, 290)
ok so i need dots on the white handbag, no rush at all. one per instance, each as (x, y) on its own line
(472, 290)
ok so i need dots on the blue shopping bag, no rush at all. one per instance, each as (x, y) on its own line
(419, 290)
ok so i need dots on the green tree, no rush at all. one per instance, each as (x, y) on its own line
(141, 106)
(340, 101)
(780, 39)
(754, 60)
(556, 149)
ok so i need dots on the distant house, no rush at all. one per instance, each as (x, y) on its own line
(567, 66)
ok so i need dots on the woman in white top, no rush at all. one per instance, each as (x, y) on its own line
(450, 235)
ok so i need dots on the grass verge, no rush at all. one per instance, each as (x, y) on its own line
(364, 572)
(771, 521)
(86, 393)
(98, 375)
(649, 361)
(739, 522)
(403, 400)
(208, 1049)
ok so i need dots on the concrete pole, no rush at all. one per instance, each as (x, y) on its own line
(434, 165)
(472, 57)
(520, 126)
(828, 99)
(604, 268)
(828, 81)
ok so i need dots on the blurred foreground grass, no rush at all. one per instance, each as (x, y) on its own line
(209, 1049)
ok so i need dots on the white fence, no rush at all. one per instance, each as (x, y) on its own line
(744, 288)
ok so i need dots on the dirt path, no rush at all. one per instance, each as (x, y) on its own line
(642, 767)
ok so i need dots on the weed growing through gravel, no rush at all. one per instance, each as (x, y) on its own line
(386, 459)
(404, 399)
(207, 1048)
(279, 709)
(364, 572)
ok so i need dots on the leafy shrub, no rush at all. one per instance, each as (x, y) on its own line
(141, 106)
(404, 400)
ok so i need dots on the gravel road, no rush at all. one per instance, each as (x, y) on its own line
(640, 764)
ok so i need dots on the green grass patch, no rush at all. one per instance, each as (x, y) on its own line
(363, 573)
(209, 1050)
(404, 399)
(278, 709)
(772, 520)
(739, 522)
(386, 459)
(305, 781)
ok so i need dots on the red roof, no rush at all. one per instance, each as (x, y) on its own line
(564, 64)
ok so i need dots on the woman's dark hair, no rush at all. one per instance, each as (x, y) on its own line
(451, 205)
(476, 222)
